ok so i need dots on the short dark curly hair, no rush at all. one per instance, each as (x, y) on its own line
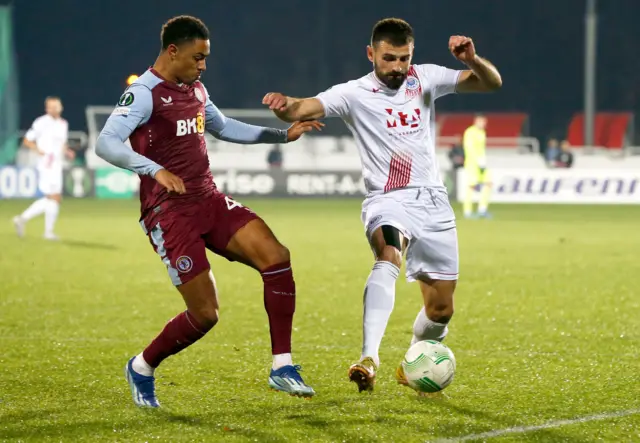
(183, 28)
(393, 30)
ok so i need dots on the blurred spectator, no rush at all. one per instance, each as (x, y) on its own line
(274, 158)
(552, 151)
(456, 153)
(565, 157)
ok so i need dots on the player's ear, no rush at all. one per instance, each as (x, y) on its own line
(172, 50)
(370, 53)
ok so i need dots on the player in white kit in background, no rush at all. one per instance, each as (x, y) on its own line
(390, 113)
(48, 137)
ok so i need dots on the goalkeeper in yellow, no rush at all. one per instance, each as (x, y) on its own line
(477, 176)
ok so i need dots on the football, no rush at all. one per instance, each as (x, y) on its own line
(429, 366)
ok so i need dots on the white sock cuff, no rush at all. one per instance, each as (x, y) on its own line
(141, 366)
(280, 360)
(426, 329)
(387, 267)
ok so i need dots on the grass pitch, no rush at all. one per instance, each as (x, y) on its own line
(547, 328)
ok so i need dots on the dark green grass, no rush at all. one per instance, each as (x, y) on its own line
(547, 327)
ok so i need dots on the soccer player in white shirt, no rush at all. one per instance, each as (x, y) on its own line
(48, 137)
(390, 113)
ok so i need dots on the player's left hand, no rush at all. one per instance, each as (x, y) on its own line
(275, 101)
(462, 48)
(297, 129)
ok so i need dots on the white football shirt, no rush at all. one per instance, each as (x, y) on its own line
(50, 135)
(394, 129)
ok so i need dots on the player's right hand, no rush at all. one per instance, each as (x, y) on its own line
(275, 101)
(171, 182)
(297, 129)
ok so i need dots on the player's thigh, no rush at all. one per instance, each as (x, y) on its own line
(388, 243)
(255, 244)
(239, 234)
(387, 227)
(175, 237)
(433, 255)
(432, 259)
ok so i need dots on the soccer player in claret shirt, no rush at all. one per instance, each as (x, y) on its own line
(391, 115)
(164, 114)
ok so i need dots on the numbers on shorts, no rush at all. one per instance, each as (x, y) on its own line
(231, 203)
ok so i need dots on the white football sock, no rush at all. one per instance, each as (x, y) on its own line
(36, 208)
(50, 216)
(379, 298)
(141, 366)
(425, 329)
(280, 360)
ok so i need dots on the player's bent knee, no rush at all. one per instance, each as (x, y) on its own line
(206, 316)
(438, 299)
(200, 296)
(276, 255)
(391, 254)
(439, 313)
(282, 254)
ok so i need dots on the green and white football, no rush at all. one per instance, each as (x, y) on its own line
(429, 366)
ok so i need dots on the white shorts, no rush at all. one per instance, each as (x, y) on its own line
(50, 181)
(426, 219)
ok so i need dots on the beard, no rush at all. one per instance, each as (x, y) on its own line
(393, 80)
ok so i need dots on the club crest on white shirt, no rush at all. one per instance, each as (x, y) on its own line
(413, 88)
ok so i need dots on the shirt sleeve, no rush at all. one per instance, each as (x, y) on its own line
(231, 130)
(335, 100)
(35, 130)
(442, 81)
(134, 109)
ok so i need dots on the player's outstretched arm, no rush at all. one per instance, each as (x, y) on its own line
(482, 75)
(228, 129)
(290, 109)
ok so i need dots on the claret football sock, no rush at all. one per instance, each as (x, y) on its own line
(280, 304)
(180, 332)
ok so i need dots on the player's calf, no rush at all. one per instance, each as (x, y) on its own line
(256, 245)
(280, 304)
(432, 320)
(179, 333)
(379, 299)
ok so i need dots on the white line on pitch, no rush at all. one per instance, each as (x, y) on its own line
(548, 425)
